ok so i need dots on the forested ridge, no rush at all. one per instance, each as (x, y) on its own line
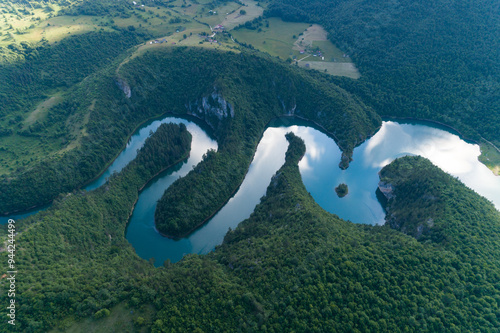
(290, 266)
(431, 60)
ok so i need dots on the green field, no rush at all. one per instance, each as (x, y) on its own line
(207, 13)
(334, 68)
(158, 21)
(490, 156)
(330, 52)
(287, 40)
(277, 39)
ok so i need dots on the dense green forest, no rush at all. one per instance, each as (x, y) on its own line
(433, 60)
(290, 266)
(98, 97)
(61, 271)
(29, 71)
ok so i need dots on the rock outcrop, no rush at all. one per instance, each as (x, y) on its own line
(123, 85)
(386, 189)
(212, 109)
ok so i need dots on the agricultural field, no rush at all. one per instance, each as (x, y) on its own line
(334, 68)
(277, 39)
(38, 24)
(251, 11)
(216, 15)
(299, 42)
(213, 13)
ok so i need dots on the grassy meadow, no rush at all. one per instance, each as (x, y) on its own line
(298, 42)
(277, 39)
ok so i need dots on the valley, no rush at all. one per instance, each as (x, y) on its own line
(227, 126)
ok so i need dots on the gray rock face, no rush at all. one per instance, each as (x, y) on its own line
(123, 85)
(216, 105)
(387, 189)
(211, 107)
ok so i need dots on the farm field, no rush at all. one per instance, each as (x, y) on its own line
(234, 19)
(277, 39)
(334, 68)
(216, 15)
(306, 44)
(51, 27)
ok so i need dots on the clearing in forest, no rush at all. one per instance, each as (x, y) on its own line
(275, 37)
(305, 45)
(41, 110)
(251, 10)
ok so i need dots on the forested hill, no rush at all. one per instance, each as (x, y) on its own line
(437, 60)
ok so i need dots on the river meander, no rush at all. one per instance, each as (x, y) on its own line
(320, 174)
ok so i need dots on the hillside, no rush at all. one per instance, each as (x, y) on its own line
(290, 266)
(437, 61)
(236, 95)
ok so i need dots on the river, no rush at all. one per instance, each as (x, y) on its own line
(320, 174)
